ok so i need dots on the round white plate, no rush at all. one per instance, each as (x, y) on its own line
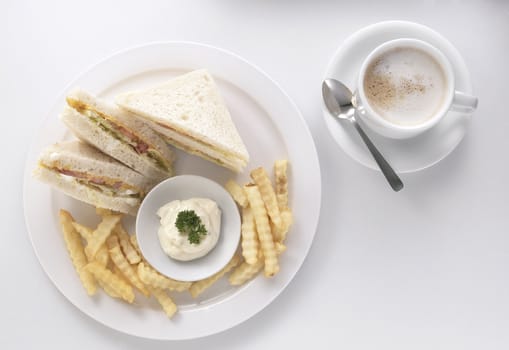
(181, 188)
(262, 113)
(404, 155)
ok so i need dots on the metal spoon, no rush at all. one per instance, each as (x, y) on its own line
(338, 99)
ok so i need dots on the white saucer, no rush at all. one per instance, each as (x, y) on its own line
(404, 155)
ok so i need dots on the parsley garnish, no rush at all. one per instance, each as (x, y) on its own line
(190, 224)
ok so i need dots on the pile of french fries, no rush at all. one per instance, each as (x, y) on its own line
(107, 257)
(266, 219)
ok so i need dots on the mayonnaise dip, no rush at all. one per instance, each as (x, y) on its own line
(175, 244)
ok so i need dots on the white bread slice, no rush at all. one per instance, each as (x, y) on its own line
(80, 157)
(191, 106)
(87, 130)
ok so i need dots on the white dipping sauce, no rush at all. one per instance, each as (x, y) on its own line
(177, 245)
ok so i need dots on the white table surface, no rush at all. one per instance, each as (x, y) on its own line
(427, 268)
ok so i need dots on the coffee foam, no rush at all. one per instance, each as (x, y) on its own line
(405, 86)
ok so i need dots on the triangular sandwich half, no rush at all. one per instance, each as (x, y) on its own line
(84, 173)
(118, 134)
(191, 114)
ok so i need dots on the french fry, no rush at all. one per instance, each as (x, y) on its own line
(244, 272)
(261, 179)
(75, 248)
(280, 248)
(271, 265)
(123, 265)
(236, 192)
(108, 290)
(134, 243)
(121, 232)
(200, 286)
(130, 253)
(152, 278)
(164, 300)
(287, 219)
(111, 281)
(102, 255)
(249, 243)
(125, 243)
(100, 235)
(86, 232)
(281, 177)
(121, 275)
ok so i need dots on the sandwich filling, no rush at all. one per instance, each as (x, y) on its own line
(109, 125)
(205, 150)
(103, 184)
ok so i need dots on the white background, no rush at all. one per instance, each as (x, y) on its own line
(427, 268)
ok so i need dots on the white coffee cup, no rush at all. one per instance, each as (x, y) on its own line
(405, 87)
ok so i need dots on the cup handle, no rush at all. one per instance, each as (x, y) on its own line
(462, 102)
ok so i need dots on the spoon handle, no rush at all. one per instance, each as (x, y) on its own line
(387, 170)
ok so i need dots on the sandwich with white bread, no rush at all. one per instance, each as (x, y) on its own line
(84, 173)
(191, 114)
(118, 134)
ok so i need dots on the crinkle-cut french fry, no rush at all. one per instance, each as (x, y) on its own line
(125, 243)
(281, 177)
(279, 233)
(127, 270)
(244, 272)
(75, 248)
(164, 300)
(200, 286)
(261, 179)
(134, 243)
(102, 255)
(280, 248)
(130, 253)
(236, 192)
(271, 265)
(249, 243)
(100, 234)
(151, 277)
(121, 232)
(86, 232)
(112, 281)
(120, 274)
(112, 241)
(108, 290)
(287, 219)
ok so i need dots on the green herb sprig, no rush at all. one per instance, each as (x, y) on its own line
(188, 223)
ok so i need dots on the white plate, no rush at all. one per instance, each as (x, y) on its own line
(181, 188)
(404, 155)
(262, 113)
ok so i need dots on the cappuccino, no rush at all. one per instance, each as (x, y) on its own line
(405, 86)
